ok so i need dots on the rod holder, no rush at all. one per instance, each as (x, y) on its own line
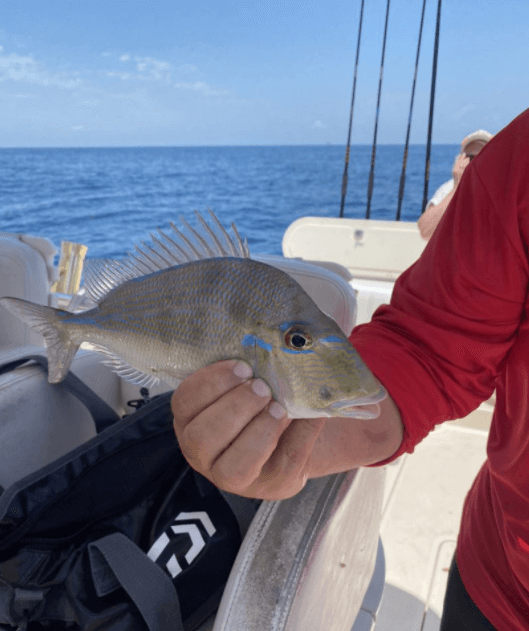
(70, 268)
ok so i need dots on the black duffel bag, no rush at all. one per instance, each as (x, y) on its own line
(118, 534)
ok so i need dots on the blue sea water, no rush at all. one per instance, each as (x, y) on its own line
(109, 198)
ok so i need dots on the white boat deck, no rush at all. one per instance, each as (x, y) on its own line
(422, 509)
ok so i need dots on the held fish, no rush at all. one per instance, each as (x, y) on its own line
(187, 301)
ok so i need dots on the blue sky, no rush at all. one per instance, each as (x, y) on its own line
(235, 72)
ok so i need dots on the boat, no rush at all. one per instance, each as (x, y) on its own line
(360, 551)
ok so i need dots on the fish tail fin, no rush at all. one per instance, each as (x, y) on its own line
(47, 321)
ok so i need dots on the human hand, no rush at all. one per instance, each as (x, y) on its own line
(460, 164)
(231, 431)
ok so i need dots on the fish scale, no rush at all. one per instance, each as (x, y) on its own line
(170, 321)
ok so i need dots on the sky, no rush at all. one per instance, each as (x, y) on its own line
(86, 73)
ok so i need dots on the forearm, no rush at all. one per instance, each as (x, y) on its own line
(345, 444)
(432, 216)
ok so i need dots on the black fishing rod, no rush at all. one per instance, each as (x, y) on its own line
(432, 101)
(374, 150)
(406, 144)
(348, 146)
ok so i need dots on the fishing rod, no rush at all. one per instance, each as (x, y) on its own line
(406, 145)
(432, 100)
(348, 146)
(374, 150)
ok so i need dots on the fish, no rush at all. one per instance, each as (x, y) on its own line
(194, 297)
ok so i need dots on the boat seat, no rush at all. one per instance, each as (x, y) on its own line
(370, 249)
(40, 422)
(26, 271)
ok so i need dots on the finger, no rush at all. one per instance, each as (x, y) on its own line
(240, 464)
(216, 427)
(204, 387)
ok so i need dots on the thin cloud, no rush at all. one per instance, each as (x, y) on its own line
(25, 69)
(200, 86)
(152, 68)
(145, 69)
(124, 76)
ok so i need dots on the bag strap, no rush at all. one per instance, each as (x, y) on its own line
(104, 416)
(117, 562)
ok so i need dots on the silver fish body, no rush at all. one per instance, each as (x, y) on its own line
(169, 323)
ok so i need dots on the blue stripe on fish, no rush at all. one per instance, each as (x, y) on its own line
(292, 352)
(332, 338)
(253, 340)
(88, 321)
(287, 325)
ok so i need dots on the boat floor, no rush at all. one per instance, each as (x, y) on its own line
(423, 501)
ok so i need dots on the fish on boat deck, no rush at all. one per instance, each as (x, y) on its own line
(185, 302)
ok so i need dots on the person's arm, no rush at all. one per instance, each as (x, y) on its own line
(440, 345)
(431, 217)
(231, 432)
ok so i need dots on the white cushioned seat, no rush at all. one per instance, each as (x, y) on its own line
(25, 270)
(40, 422)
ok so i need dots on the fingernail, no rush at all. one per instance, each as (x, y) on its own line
(276, 410)
(260, 388)
(242, 370)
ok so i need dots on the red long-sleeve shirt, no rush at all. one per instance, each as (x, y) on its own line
(458, 327)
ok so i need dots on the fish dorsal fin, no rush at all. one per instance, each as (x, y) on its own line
(103, 275)
(185, 245)
(165, 250)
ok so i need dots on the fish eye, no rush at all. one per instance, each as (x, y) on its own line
(298, 339)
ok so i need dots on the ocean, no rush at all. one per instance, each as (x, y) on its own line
(109, 198)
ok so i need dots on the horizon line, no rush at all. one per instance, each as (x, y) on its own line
(238, 146)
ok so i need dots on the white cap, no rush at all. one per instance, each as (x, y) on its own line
(480, 134)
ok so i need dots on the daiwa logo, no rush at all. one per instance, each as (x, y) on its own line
(166, 543)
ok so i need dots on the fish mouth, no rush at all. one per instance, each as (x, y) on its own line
(363, 407)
